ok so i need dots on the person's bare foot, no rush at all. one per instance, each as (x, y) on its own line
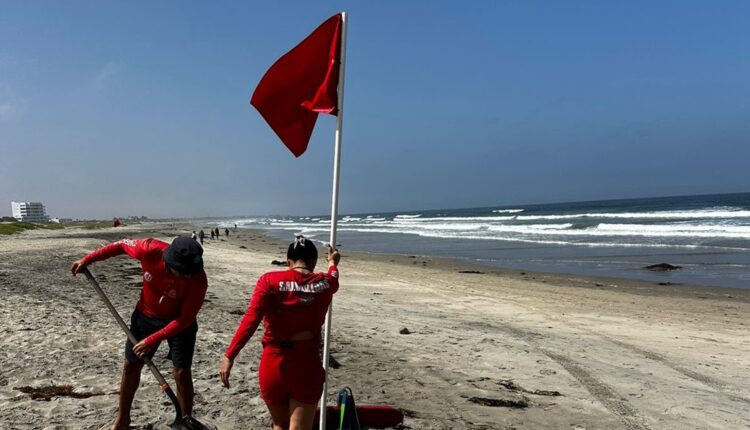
(121, 423)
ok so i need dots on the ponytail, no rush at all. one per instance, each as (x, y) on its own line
(302, 249)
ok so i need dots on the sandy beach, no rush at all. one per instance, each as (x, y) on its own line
(485, 349)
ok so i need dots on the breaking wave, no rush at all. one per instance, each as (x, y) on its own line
(711, 226)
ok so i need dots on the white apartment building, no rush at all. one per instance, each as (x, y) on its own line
(29, 212)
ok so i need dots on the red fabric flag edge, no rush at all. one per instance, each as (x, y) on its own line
(292, 116)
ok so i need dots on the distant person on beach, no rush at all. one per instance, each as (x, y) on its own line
(194, 236)
(292, 305)
(212, 234)
(201, 236)
(218, 235)
(174, 287)
(235, 227)
(226, 232)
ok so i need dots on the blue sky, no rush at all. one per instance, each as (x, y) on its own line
(141, 108)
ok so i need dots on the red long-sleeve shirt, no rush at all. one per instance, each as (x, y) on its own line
(287, 302)
(164, 296)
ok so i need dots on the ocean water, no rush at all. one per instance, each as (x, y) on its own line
(708, 235)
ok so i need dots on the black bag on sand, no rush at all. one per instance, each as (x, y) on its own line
(348, 419)
(346, 415)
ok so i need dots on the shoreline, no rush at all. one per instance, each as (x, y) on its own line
(634, 286)
(277, 248)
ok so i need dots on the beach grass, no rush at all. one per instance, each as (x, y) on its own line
(15, 227)
(90, 225)
(7, 228)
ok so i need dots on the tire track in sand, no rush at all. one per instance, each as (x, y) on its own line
(721, 387)
(711, 382)
(605, 394)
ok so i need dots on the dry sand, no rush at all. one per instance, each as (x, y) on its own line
(490, 350)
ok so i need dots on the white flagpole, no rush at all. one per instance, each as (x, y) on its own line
(334, 211)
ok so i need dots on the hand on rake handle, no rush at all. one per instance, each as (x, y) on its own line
(141, 349)
(77, 266)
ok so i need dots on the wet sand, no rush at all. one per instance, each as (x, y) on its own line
(486, 349)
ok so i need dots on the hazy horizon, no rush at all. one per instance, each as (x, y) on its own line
(410, 210)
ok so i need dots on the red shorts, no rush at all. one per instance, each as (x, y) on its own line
(295, 372)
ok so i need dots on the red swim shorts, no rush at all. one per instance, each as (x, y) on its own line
(291, 372)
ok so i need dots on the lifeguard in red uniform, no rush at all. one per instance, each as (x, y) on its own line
(292, 305)
(174, 286)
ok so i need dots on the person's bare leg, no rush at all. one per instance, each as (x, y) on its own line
(184, 379)
(279, 415)
(131, 378)
(301, 415)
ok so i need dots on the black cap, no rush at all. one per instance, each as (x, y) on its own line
(184, 255)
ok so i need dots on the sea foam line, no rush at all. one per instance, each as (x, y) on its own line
(314, 232)
(697, 214)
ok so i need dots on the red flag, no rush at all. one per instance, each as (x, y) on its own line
(301, 84)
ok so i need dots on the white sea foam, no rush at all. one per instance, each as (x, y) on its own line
(492, 225)
(541, 241)
(693, 214)
(706, 227)
(630, 235)
(664, 228)
(531, 228)
(507, 211)
(643, 230)
(455, 218)
(671, 230)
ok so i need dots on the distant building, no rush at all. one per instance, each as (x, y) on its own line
(29, 212)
